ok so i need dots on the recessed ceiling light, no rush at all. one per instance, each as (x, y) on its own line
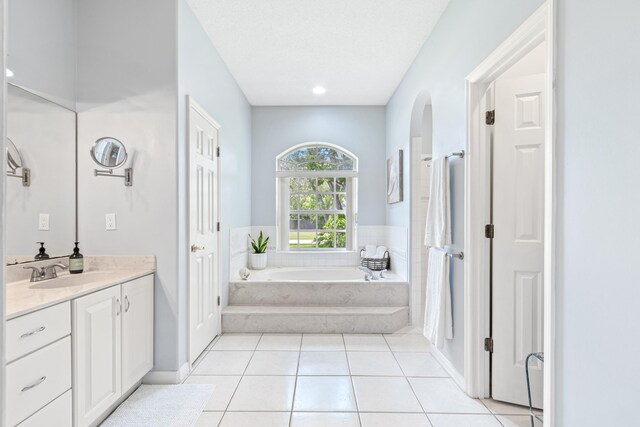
(9, 73)
(319, 90)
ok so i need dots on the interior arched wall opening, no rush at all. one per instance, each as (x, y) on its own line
(421, 148)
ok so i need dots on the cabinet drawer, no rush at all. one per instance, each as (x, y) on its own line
(37, 379)
(57, 413)
(35, 330)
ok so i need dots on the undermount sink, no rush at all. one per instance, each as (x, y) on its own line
(71, 280)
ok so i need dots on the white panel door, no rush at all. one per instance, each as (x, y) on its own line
(518, 216)
(137, 330)
(97, 345)
(204, 136)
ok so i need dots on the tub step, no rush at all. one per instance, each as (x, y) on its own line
(242, 318)
(329, 294)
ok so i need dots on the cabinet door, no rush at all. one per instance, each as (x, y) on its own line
(137, 330)
(97, 345)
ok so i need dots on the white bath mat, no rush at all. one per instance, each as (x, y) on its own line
(162, 406)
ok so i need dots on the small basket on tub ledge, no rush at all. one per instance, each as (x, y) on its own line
(375, 264)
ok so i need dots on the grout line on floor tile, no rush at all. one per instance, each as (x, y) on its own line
(238, 385)
(295, 382)
(353, 387)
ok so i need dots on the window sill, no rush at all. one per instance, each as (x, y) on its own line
(328, 251)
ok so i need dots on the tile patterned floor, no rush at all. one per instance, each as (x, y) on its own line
(342, 380)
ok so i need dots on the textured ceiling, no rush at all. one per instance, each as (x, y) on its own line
(278, 50)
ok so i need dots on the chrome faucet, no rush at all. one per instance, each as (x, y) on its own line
(50, 270)
(37, 274)
(368, 274)
(45, 273)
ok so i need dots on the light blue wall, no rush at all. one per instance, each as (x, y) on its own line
(138, 95)
(598, 228)
(467, 32)
(203, 75)
(127, 89)
(360, 130)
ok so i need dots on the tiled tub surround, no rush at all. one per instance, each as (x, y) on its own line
(376, 293)
(261, 304)
(238, 250)
(394, 238)
(312, 302)
(99, 272)
(317, 319)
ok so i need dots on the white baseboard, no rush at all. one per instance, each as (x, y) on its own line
(167, 377)
(448, 366)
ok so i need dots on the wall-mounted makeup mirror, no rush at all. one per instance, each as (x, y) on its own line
(41, 135)
(111, 153)
(14, 159)
(15, 165)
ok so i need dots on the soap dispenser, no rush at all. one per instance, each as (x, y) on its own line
(76, 261)
(42, 252)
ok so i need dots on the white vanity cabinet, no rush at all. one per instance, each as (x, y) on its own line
(97, 348)
(137, 330)
(38, 372)
(112, 346)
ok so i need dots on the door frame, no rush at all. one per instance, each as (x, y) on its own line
(192, 103)
(3, 195)
(537, 29)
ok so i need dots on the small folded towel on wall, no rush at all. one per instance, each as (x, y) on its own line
(438, 317)
(438, 228)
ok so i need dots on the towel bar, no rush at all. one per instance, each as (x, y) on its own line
(459, 255)
(454, 154)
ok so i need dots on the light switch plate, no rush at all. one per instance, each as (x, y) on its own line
(43, 222)
(110, 221)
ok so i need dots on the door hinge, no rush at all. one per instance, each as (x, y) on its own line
(218, 227)
(489, 231)
(488, 344)
(217, 151)
(218, 299)
(490, 117)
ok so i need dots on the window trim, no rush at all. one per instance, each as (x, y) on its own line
(282, 198)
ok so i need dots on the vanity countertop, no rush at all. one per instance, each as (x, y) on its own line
(24, 297)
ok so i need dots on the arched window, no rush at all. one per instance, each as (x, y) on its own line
(316, 197)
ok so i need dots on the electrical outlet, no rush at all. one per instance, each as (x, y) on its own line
(110, 221)
(43, 222)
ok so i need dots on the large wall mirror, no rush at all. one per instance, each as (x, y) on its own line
(41, 202)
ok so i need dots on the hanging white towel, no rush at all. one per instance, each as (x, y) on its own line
(438, 316)
(438, 229)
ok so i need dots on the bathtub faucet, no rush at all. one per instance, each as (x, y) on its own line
(372, 275)
(368, 274)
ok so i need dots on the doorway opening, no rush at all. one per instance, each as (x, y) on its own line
(509, 221)
(420, 155)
